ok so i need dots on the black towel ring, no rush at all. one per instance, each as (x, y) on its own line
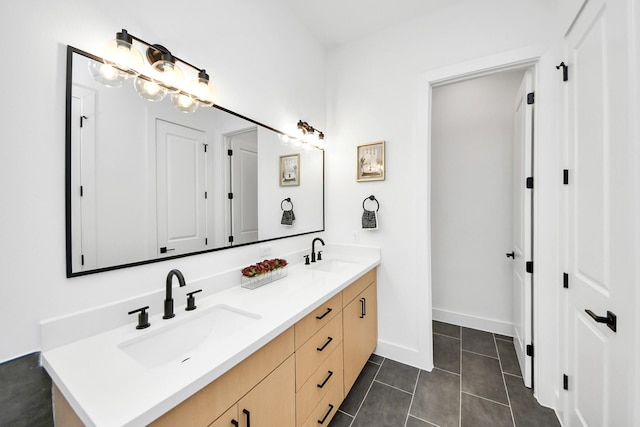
(372, 197)
(288, 199)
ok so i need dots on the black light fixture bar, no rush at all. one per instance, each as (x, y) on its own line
(155, 48)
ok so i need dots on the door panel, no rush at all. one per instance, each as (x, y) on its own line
(181, 189)
(522, 214)
(244, 186)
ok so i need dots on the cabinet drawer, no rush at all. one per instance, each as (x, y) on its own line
(358, 286)
(328, 406)
(308, 326)
(318, 384)
(317, 350)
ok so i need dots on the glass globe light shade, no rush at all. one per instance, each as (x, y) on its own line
(169, 74)
(149, 90)
(122, 55)
(202, 90)
(296, 142)
(184, 103)
(106, 74)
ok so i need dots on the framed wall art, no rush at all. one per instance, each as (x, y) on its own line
(370, 162)
(290, 170)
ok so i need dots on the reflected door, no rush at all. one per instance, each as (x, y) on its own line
(181, 189)
(244, 186)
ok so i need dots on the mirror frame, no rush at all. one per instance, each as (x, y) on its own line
(68, 196)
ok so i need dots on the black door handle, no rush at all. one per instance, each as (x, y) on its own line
(511, 254)
(235, 423)
(611, 320)
(326, 415)
(363, 307)
(329, 339)
(248, 414)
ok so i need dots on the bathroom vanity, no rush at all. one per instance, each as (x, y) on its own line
(286, 356)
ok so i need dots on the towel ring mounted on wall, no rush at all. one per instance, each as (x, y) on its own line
(372, 197)
(288, 200)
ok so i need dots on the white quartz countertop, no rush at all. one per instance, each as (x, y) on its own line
(107, 387)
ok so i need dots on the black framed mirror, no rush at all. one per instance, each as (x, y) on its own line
(146, 182)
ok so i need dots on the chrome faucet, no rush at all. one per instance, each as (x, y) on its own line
(168, 300)
(313, 249)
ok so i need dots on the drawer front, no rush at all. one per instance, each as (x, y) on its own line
(358, 286)
(322, 315)
(317, 349)
(318, 384)
(328, 406)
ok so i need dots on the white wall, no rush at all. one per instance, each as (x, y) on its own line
(375, 91)
(472, 201)
(259, 68)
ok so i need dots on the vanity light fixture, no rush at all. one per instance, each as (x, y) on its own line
(155, 78)
(310, 135)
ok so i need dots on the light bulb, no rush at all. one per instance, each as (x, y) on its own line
(148, 89)
(184, 103)
(106, 74)
(202, 90)
(296, 142)
(121, 54)
(169, 73)
(285, 138)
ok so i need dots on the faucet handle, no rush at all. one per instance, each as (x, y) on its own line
(319, 256)
(306, 260)
(191, 300)
(143, 317)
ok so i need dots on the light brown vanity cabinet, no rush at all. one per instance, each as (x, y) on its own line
(360, 325)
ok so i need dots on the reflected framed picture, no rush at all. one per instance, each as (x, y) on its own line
(290, 170)
(370, 162)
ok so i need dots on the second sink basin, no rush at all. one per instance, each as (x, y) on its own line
(177, 341)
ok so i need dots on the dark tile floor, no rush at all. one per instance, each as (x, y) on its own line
(476, 382)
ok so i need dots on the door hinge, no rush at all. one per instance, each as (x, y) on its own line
(230, 239)
(530, 182)
(230, 196)
(205, 194)
(205, 147)
(206, 241)
(565, 280)
(565, 71)
(565, 176)
(230, 152)
(530, 350)
(530, 98)
(529, 266)
(565, 382)
(81, 259)
(82, 119)
(81, 191)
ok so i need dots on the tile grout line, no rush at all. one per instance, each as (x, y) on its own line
(413, 395)
(418, 418)
(367, 393)
(392, 386)
(447, 336)
(480, 354)
(486, 398)
(504, 382)
(448, 372)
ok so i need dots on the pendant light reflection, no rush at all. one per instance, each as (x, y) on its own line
(155, 77)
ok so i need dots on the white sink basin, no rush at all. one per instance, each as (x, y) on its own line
(177, 340)
(332, 265)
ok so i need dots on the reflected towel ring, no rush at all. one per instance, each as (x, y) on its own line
(372, 197)
(288, 199)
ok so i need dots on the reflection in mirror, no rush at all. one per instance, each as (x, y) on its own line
(146, 182)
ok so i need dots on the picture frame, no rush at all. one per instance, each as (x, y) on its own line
(370, 164)
(290, 170)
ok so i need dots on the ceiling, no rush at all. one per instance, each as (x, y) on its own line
(334, 22)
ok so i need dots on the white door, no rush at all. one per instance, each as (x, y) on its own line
(522, 214)
(244, 186)
(181, 189)
(599, 223)
(83, 187)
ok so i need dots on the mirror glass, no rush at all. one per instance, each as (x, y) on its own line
(146, 182)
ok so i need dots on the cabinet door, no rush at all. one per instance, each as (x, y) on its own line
(228, 419)
(360, 320)
(272, 402)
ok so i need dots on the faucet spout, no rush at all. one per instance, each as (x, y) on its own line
(168, 300)
(313, 248)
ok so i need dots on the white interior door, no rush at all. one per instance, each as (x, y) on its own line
(600, 228)
(83, 181)
(522, 231)
(181, 188)
(244, 186)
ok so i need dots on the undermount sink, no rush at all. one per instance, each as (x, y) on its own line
(332, 265)
(180, 339)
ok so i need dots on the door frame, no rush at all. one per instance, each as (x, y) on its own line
(547, 354)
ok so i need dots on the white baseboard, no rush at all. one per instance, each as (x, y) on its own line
(406, 355)
(481, 323)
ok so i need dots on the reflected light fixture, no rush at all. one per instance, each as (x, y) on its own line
(310, 135)
(156, 77)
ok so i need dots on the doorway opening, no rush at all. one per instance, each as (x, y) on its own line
(482, 205)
